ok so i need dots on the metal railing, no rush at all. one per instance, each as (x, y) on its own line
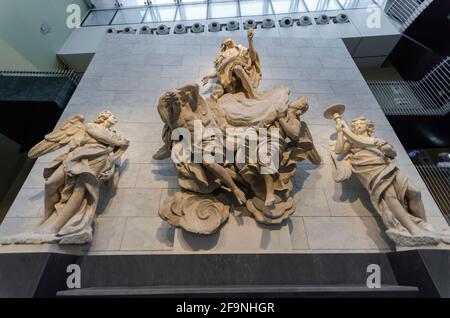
(404, 12)
(70, 74)
(427, 97)
(437, 181)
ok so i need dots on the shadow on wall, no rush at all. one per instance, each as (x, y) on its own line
(14, 169)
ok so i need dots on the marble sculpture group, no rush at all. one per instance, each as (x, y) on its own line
(236, 151)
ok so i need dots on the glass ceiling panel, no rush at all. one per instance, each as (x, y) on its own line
(322, 5)
(102, 4)
(193, 1)
(127, 16)
(132, 3)
(170, 10)
(355, 4)
(288, 6)
(162, 1)
(223, 9)
(192, 12)
(255, 7)
(101, 17)
(160, 14)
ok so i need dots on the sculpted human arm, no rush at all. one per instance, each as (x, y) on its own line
(106, 136)
(342, 144)
(385, 148)
(291, 127)
(251, 47)
(209, 76)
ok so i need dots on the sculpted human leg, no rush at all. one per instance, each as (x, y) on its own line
(246, 81)
(270, 196)
(52, 196)
(415, 202)
(222, 173)
(399, 212)
(72, 206)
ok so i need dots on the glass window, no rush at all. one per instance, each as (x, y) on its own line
(322, 5)
(223, 9)
(101, 17)
(161, 1)
(355, 4)
(102, 4)
(288, 6)
(255, 7)
(132, 3)
(192, 1)
(126, 16)
(160, 14)
(191, 12)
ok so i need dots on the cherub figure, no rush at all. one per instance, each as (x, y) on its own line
(237, 68)
(372, 160)
(72, 182)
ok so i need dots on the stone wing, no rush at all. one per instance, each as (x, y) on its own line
(72, 128)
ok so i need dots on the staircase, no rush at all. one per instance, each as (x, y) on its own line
(404, 12)
(428, 97)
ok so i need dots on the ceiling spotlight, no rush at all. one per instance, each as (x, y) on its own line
(232, 25)
(304, 20)
(179, 29)
(286, 22)
(145, 30)
(268, 23)
(341, 18)
(197, 28)
(250, 23)
(162, 29)
(323, 19)
(129, 30)
(214, 26)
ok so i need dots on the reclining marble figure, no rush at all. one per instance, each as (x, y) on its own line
(372, 160)
(262, 184)
(73, 180)
(237, 68)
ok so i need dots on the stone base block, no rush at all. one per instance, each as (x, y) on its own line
(239, 235)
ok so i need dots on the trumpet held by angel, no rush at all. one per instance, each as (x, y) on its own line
(73, 179)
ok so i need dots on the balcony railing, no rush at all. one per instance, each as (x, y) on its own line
(404, 12)
(70, 74)
(427, 97)
(437, 181)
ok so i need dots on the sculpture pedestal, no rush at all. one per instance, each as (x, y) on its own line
(239, 235)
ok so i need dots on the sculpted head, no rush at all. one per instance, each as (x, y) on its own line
(299, 106)
(227, 44)
(169, 108)
(106, 118)
(362, 125)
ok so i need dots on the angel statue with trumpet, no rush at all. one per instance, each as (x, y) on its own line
(73, 180)
(372, 160)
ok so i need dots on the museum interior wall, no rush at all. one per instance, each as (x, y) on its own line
(127, 76)
(32, 32)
